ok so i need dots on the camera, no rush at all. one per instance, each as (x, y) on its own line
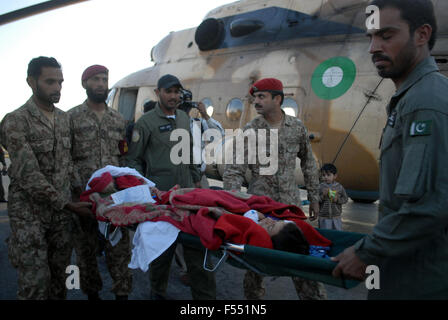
(186, 103)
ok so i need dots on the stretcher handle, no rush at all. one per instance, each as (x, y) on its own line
(225, 255)
(106, 231)
(233, 247)
(223, 258)
(230, 246)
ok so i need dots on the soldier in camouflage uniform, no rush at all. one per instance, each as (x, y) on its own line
(37, 137)
(98, 140)
(280, 186)
(3, 162)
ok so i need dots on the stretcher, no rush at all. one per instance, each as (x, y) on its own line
(270, 262)
(261, 260)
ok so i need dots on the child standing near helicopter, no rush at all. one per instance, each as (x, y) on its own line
(332, 196)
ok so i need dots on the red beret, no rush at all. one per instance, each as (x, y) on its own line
(268, 84)
(93, 70)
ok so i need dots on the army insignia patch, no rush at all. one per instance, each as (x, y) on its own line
(135, 136)
(421, 128)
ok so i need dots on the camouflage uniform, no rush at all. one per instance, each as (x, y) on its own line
(292, 142)
(2, 160)
(40, 244)
(96, 144)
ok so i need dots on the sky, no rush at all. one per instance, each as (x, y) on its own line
(118, 34)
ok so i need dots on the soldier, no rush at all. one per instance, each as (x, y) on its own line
(98, 140)
(409, 244)
(37, 137)
(292, 142)
(2, 160)
(150, 149)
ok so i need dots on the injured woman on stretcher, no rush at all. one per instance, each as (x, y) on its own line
(123, 198)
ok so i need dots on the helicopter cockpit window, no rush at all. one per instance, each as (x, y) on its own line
(126, 104)
(208, 106)
(290, 107)
(110, 97)
(234, 109)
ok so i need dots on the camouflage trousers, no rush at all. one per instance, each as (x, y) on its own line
(203, 285)
(41, 253)
(306, 289)
(87, 238)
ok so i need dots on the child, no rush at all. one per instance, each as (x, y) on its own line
(331, 198)
(285, 235)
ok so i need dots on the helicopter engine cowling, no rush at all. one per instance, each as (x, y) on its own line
(210, 34)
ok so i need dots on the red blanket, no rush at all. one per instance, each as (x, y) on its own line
(240, 203)
(205, 213)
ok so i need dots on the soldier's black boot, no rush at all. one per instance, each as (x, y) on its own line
(117, 297)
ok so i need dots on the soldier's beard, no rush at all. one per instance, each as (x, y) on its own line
(96, 97)
(169, 104)
(51, 98)
(401, 63)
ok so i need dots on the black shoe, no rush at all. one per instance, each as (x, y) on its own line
(156, 296)
(125, 297)
(3, 200)
(93, 296)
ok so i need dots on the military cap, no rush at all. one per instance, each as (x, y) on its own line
(267, 84)
(168, 81)
(92, 71)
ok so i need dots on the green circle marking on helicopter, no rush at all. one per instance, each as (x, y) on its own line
(333, 78)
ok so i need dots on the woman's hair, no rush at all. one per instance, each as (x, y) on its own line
(291, 239)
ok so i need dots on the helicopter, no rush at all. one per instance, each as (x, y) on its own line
(318, 49)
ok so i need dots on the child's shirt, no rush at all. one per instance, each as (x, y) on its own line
(330, 207)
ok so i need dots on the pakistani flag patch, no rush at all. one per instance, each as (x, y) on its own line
(421, 128)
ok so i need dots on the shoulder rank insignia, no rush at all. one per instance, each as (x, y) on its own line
(421, 128)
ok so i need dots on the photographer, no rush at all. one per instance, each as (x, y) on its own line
(196, 125)
(203, 124)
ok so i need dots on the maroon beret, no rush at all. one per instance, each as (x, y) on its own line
(268, 84)
(93, 70)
